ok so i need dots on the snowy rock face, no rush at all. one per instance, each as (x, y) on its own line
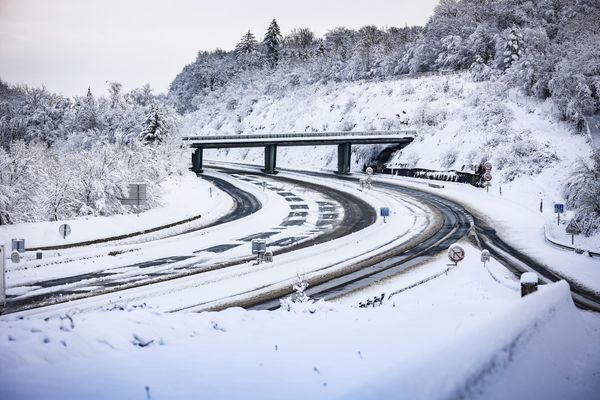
(461, 124)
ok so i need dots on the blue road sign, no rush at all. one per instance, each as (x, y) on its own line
(384, 212)
(559, 208)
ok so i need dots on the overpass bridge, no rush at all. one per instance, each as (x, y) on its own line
(344, 141)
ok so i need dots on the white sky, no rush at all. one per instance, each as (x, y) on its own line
(68, 45)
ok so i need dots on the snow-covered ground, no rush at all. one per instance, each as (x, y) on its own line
(183, 198)
(462, 334)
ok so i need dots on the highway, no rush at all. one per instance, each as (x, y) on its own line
(451, 222)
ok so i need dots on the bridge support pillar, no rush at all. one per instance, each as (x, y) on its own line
(344, 154)
(270, 159)
(197, 160)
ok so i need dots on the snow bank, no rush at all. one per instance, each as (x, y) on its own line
(432, 344)
(501, 358)
(184, 197)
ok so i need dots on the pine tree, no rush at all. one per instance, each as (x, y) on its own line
(247, 45)
(246, 51)
(155, 129)
(272, 43)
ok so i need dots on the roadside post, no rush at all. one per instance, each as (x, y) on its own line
(573, 229)
(456, 253)
(485, 256)
(64, 230)
(369, 172)
(210, 191)
(268, 256)
(529, 283)
(559, 208)
(384, 212)
(487, 176)
(259, 247)
(2, 278)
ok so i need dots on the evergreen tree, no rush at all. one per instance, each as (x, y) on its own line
(155, 128)
(246, 51)
(272, 43)
(88, 113)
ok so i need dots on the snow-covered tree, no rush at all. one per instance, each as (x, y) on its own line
(246, 52)
(272, 44)
(510, 47)
(155, 130)
(583, 193)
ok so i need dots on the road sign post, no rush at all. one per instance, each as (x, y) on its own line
(259, 247)
(456, 253)
(384, 212)
(137, 196)
(485, 256)
(2, 277)
(558, 209)
(487, 176)
(64, 230)
(573, 229)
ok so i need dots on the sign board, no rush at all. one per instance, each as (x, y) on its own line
(456, 253)
(573, 228)
(488, 166)
(485, 256)
(259, 246)
(487, 177)
(384, 211)
(18, 245)
(2, 278)
(137, 195)
(559, 208)
(369, 171)
(64, 230)
(15, 257)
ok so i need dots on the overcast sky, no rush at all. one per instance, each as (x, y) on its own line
(68, 45)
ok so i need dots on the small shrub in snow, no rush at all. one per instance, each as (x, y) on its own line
(299, 301)
(449, 158)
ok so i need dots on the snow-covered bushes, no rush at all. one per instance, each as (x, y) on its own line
(583, 193)
(63, 158)
(39, 183)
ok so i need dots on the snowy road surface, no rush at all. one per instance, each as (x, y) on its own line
(295, 217)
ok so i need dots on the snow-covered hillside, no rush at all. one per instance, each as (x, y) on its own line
(461, 123)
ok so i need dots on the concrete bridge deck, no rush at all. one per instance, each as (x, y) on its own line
(344, 141)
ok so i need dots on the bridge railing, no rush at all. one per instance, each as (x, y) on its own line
(412, 133)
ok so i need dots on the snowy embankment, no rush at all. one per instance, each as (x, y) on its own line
(460, 335)
(184, 198)
(461, 124)
(516, 217)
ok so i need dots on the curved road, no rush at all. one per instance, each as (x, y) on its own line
(457, 223)
(357, 215)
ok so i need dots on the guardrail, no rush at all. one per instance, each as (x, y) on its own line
(412, 133)
(555, 243)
